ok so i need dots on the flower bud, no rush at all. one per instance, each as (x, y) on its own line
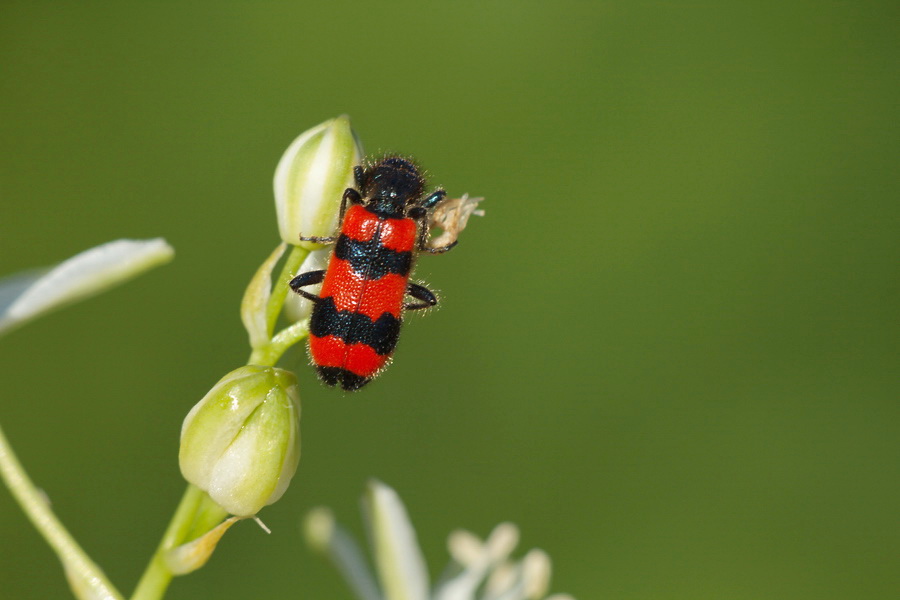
(241, 443)
(311, 178)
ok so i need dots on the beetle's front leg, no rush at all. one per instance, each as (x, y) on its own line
(350, 196)
(421, 216)
(434, 199)
(318, 239)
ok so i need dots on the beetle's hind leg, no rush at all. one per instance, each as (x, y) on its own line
(304, 279)
(420, 292)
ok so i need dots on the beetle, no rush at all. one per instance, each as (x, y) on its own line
(356, 318)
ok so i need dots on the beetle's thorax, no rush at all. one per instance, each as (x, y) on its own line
(391, 185)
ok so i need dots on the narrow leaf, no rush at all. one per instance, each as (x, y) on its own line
(28, 295)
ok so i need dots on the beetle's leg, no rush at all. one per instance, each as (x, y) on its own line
(440, 250)
(358, 176)
(318, 239)
(351, 196)
(421, 215)
(419, 212)
(304, 279)
(420, 292)
(420, 209)
(433, 200)
(422, 244)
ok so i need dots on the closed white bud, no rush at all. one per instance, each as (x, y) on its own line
(241, 443)
(311, 178)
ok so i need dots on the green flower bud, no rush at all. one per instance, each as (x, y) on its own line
(241, 443)
(311, 178)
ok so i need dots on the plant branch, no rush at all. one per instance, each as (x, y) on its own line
(85, 577)
(195, 515)
(268, 355)
(280, 288)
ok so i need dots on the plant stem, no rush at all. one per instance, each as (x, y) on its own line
(196, 514)
(293, 261)
(85, 577)
(268, 355)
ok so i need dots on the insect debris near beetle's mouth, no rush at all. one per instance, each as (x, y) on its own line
(384, 223)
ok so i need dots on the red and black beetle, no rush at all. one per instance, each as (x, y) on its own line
(355, 321)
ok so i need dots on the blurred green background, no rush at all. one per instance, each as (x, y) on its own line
(669, 352)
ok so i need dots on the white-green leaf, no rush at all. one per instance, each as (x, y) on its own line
(192, 555)
(27, 295)
(256, 300)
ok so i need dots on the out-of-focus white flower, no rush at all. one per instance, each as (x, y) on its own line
(311, 178)
(28, 295)
(478, 569)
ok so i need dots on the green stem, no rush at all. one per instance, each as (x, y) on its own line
(280, 288)
(268, 355)
(196, 514)
(85, 577)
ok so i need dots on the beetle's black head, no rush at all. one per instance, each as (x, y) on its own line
(391, 184)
